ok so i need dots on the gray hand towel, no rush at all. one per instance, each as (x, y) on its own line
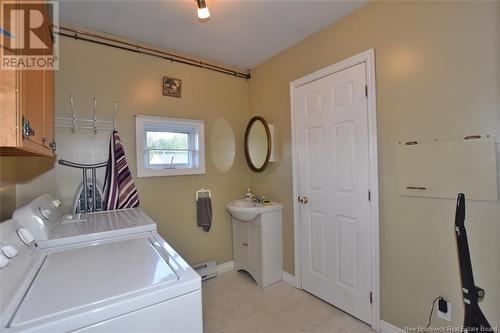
(204, 213)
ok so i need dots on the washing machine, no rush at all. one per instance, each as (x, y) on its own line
(120, 282)
(44, 218)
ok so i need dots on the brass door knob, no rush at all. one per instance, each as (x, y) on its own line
(303, 200)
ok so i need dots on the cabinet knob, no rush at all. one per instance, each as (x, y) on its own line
(244, 244)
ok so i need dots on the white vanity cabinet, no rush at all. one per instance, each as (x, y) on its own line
(257, 247)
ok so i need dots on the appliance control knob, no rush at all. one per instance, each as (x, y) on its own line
(56, 203)
(3, 261)
(25, 235)
(46, 212)
(9, 251)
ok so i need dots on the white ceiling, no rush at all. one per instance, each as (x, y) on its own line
(239, 33)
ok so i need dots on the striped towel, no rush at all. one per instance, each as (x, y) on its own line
(119, 188)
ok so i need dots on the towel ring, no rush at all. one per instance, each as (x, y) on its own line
(203, 191)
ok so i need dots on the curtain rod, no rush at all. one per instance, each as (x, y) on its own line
(136, 48)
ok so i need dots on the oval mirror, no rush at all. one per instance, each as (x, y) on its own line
(257, 144)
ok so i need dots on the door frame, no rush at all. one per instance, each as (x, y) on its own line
(367, 57)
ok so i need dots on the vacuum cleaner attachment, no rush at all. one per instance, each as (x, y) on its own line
(474, 320)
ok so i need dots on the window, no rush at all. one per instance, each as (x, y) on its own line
(169, 147)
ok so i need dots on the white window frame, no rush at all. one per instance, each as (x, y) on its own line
(197, 140)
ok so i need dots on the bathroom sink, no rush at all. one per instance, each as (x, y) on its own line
(247, 210)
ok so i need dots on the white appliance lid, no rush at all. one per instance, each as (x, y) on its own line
(117, 221)
(78, 277)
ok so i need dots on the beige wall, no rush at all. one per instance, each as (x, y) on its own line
(438, 71)
(8, 178)
(89, 70)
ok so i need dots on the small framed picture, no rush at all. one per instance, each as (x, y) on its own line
(172, 87)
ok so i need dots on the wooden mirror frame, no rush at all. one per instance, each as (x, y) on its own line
(269, 144)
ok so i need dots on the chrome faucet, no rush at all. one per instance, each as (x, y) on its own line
(258, 199)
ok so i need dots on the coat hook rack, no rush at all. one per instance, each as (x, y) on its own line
(94, 124)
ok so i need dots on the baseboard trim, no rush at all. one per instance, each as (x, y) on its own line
(289, 278)
(225, 267)
(385, 327)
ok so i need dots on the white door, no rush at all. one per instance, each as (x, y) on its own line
(333, 162)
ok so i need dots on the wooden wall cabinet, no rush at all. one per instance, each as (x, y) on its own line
(27, 107)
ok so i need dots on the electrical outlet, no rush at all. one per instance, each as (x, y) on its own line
(445, 315)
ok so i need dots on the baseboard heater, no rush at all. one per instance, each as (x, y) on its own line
(206, 269)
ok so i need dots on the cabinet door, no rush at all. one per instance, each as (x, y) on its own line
(48, 86)
(48, 108)
(27, 95)
(240, 241)
(31, 93)
(254, 247)
(9, 135)
(36, 92)
(8, 104)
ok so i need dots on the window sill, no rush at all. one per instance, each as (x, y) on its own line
(169, 172)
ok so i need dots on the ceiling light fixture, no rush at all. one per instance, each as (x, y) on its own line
(203, 12)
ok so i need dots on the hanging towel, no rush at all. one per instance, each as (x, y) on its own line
(204, 213)
(119, 188)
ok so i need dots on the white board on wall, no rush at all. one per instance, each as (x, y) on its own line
(444, 169)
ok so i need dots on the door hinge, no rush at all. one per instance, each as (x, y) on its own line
(369, 195)
(52, 146)
(27, 130)
(371, 297)
(366, 91)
